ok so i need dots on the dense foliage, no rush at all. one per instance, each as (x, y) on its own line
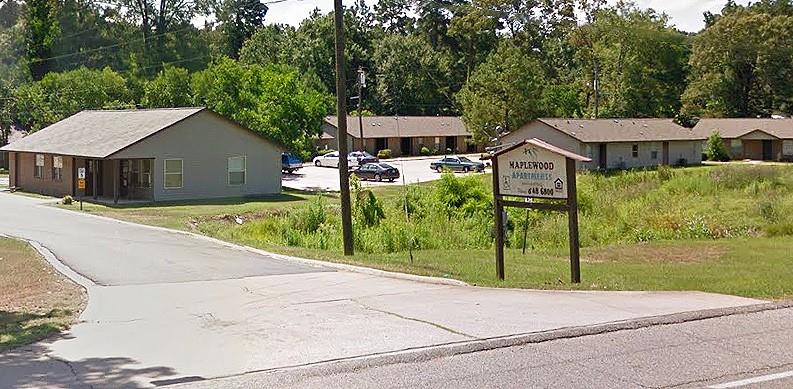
(497, 63)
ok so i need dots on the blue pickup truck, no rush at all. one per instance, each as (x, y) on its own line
(290, 163)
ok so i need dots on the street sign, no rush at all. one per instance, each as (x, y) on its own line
(81, 183)
(532, 171)
(535, 169)
(81, 173)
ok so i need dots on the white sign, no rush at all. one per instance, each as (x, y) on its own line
(81, 173)
(531, 171)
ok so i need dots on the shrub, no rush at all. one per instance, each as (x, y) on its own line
(67, 200)
(715, 149)
(425, 151)
(467, 194)
(384, 154)
(310, 218)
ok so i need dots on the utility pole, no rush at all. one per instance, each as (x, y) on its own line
(341, 129)
(596, 87)
(361, 85)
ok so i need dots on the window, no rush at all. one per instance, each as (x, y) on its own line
(635, 150)
(38, 169)
(736, 147)
(236, 170)
(588, 150)
(173, 174)
(57, 168)
(141, 171)
(654, 154)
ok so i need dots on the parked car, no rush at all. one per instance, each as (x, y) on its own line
(377, 172)
(332, 160)
(290, 163)
(458, 164)
(363, 157)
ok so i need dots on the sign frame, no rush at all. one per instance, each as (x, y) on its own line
(568, 204)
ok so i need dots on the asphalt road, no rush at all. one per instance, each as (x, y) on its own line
(170, 307)
(750, 350)
(314, 178)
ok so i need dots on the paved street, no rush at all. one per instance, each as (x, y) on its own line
(751, 350)
(170, 307)
(327, 179)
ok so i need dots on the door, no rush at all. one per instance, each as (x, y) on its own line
(124, 179)
(451, 144)
(602, 157)
(92, 166)
(405, 146)
(665, 156)
(768, 153)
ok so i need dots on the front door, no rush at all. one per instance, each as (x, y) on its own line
(451, 144)
(405, 146)
(602, 157)
(665, 157)
(768, 154)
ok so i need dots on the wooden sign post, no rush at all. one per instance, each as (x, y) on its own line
(536, 169)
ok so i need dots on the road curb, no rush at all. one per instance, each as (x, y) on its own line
(422, 354)
(305, 261)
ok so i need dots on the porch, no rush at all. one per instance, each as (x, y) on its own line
(116, 180)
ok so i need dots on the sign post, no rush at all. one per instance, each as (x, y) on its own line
(534, 169)
(81, 184)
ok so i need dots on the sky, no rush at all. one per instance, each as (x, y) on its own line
(686, 15)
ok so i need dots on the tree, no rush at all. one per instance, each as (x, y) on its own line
(715, 149)
(271, 100)
(59, 95)
(503, 94)
(41, 21)
(742, 66)
(269, 45)
(240, 19)
(392, 16)
(171, 88)
(412, 79)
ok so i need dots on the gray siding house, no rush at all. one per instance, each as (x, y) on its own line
(758, 139)
(403, 135)
(149, 154)
(617, 143)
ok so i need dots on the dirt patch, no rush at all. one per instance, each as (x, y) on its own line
(657, 253)
(35, 300)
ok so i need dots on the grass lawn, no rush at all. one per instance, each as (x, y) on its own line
(716, 229)
(35, 300)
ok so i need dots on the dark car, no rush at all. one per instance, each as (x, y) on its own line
(457, 164)
(363, 157)
(377, 172)
(290, 163)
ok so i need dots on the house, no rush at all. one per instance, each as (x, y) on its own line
(617, 143)
(403, 135)
(149, 155)
(759, 139)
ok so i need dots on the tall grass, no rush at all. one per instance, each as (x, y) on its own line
(455, 213)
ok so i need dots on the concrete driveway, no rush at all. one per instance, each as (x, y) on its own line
(167, 307)
(413, 169)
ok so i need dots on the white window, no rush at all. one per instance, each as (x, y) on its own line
(174, 178)
(38, 169)
(141, 171)
(57, 168)
(236, 170)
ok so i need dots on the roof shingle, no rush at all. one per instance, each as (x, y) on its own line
(735, 128)
(622, 130)
(99, 134)
(403, 126)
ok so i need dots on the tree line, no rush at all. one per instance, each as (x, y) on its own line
(497, 63)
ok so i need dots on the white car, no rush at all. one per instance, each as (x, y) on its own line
(332, 160)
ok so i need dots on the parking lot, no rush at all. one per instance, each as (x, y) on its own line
(414, 170)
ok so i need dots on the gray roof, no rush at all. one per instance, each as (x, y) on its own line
(99, 134)
(736, 128)
(403, 126)
(622, 130)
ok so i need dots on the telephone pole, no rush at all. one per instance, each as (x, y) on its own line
(361, 85)
(341, 129)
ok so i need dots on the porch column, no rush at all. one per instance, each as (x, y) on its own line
(116, 174)
(95, 166)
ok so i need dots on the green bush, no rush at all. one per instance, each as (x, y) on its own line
(425, 151)
(67, 200)
(310, 218)
(715, 149)
(384, 154)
